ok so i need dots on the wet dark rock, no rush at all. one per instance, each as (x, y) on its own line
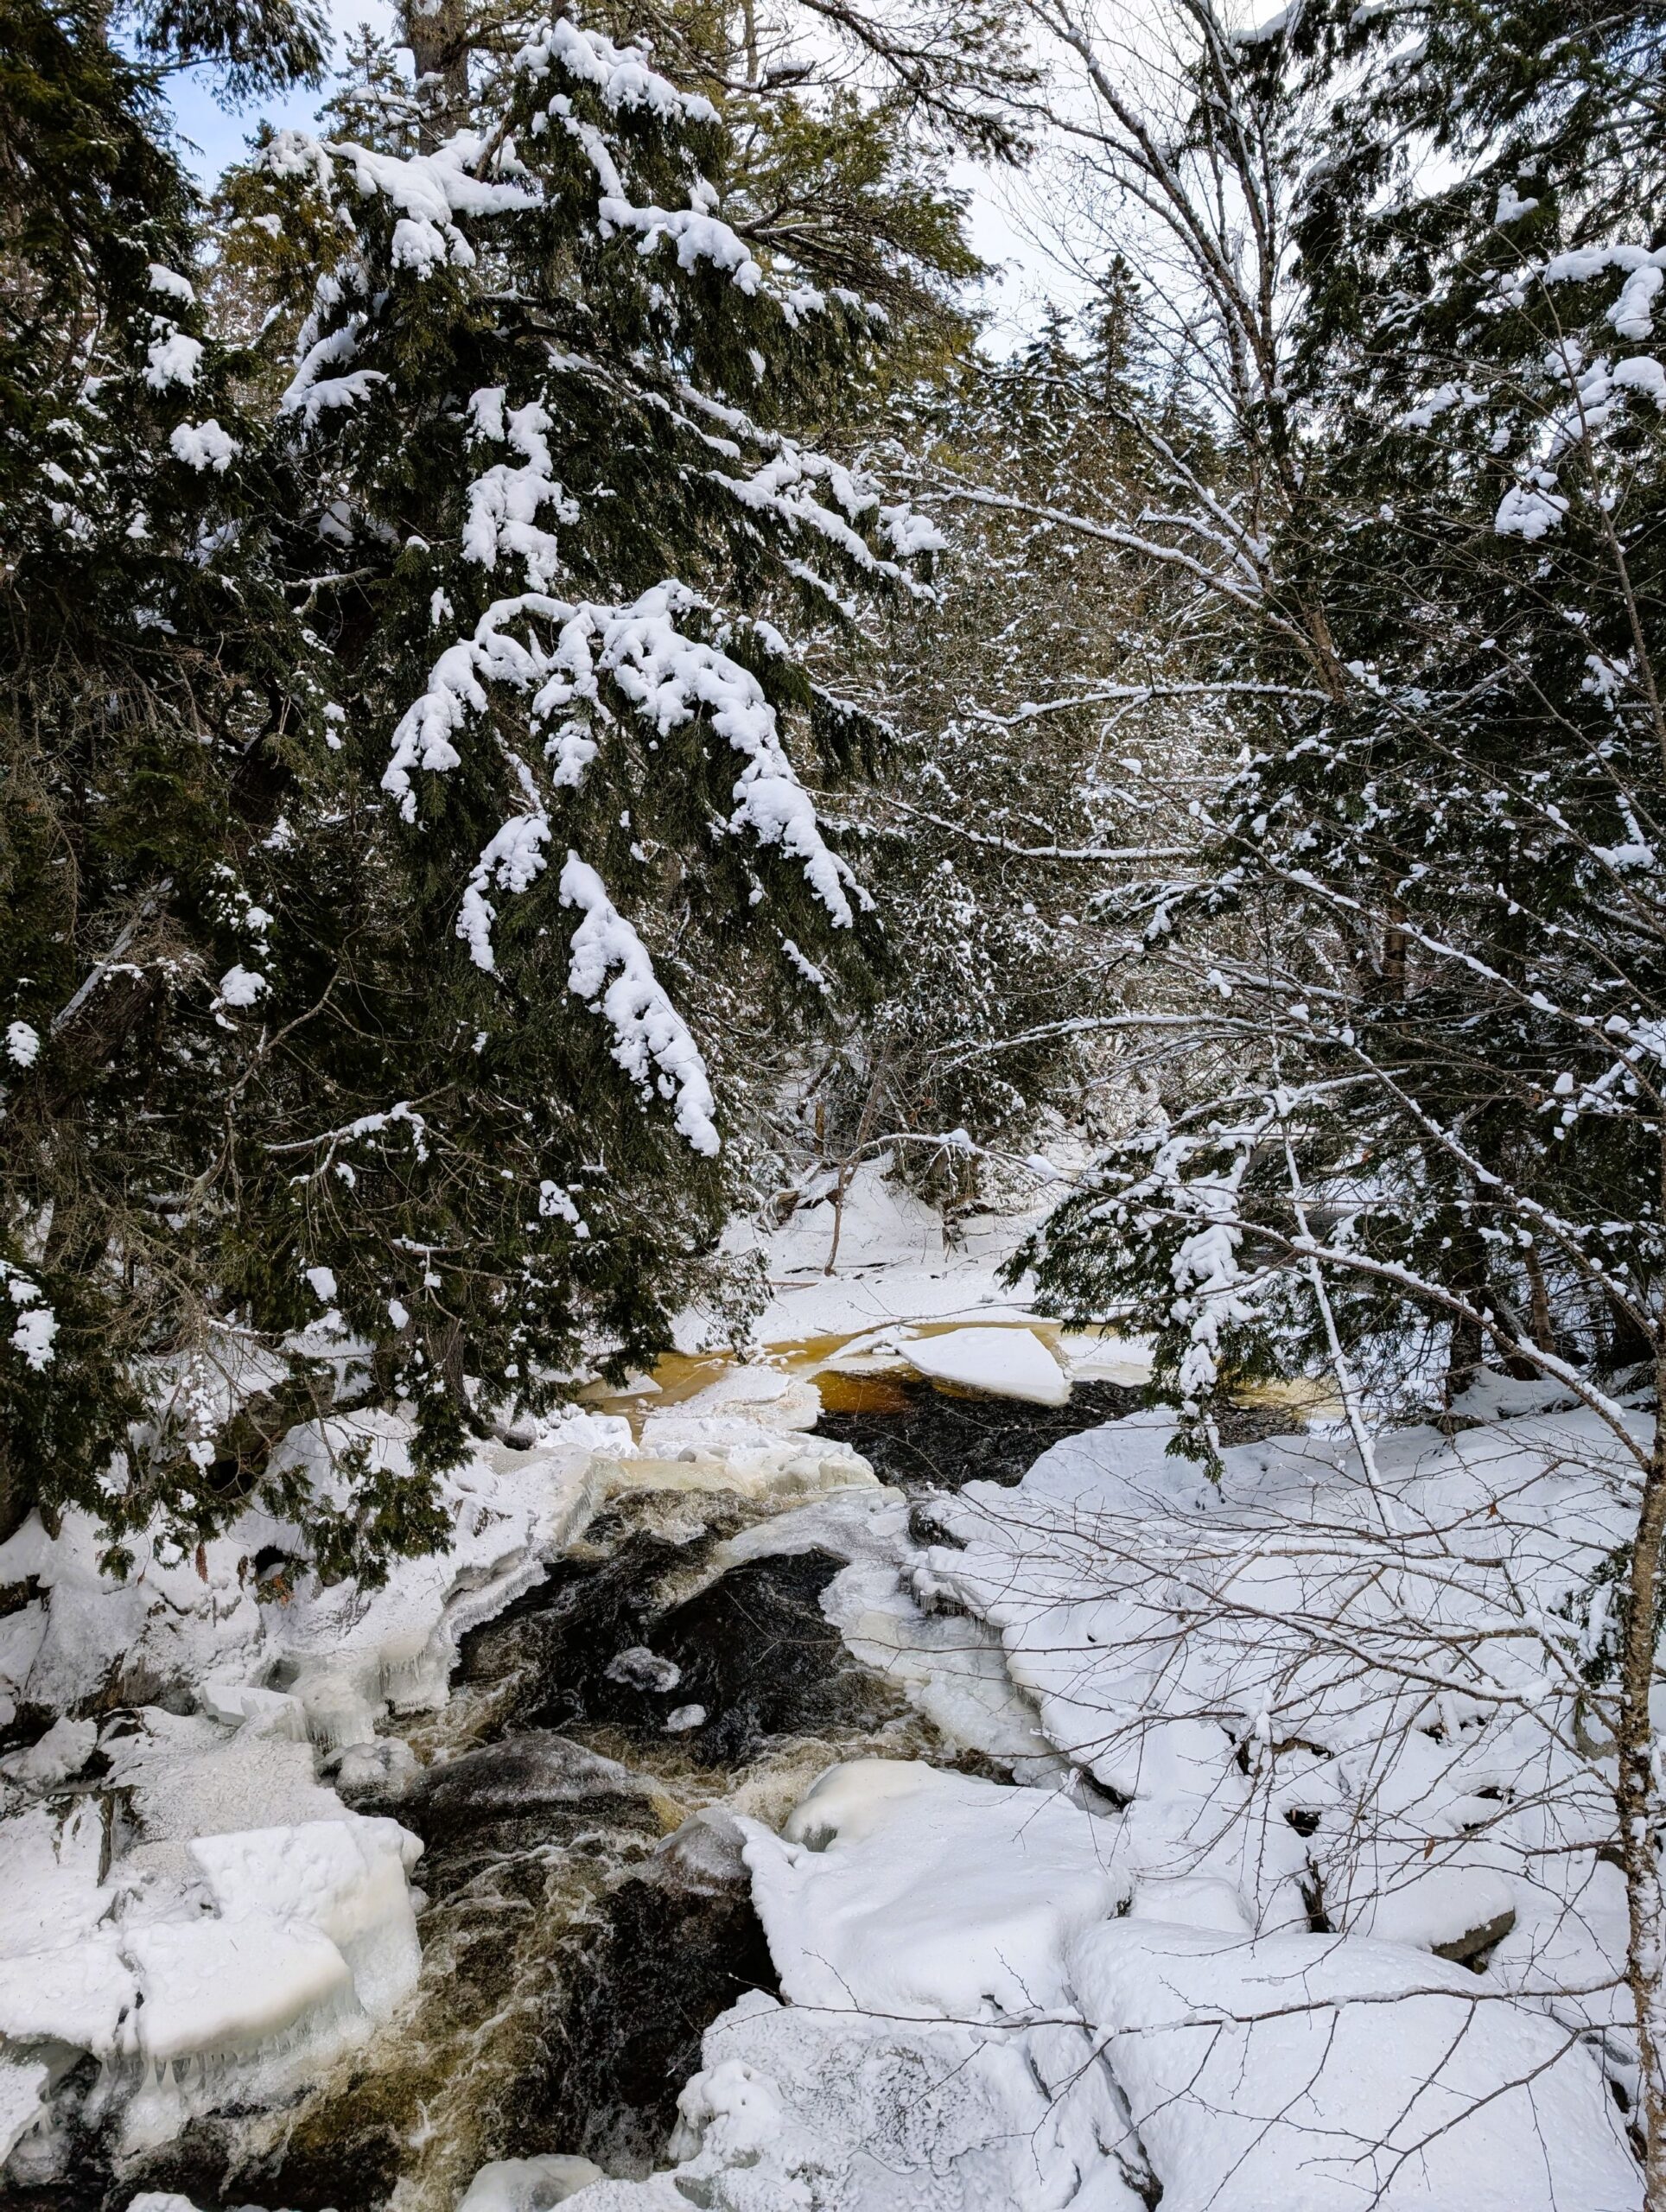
(208, 2164)
(521, 1778)
(1475, 1947)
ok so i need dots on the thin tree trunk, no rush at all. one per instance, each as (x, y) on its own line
(853, 1161)
(438, 31)
(1544, 1331)
(1637, 1797)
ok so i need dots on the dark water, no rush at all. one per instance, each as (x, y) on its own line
(937, 1440)
(587, 1918)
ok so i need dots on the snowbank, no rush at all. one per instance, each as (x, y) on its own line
(932, 1893)
(1326, 1697)
(895, 1262)
(976, 2017)
(1329, 1915)
(1313, 2072)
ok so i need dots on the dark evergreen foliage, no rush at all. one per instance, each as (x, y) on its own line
(326, 1087)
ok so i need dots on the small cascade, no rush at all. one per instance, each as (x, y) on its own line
(588, 1913)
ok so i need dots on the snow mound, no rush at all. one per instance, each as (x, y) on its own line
(528, 2184)
(1313, 2072)
(795, 2110)
(930, 1892)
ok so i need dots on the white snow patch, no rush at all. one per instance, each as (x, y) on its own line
(1007, 1363)
(528, 2184)
(203, 445)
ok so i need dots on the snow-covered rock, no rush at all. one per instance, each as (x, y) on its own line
(1007, 1363)
(1313, 2072)
(934, 1893)
(22, 2095)
(528, 2184)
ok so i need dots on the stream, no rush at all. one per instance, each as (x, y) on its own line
(587, 1915)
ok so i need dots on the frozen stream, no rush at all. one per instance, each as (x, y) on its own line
(876, 1796)
(588, 1912)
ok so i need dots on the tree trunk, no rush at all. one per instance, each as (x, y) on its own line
(1637, 1797)
(1639, 1839)
(438, 31)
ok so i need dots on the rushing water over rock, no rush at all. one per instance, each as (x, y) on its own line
(589, 1913)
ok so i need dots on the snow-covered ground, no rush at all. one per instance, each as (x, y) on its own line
(1298, 1897)
(1333, 1924)
(895, 1261)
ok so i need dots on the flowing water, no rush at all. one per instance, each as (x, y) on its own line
(587, 1917)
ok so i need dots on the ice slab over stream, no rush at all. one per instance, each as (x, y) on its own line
(1007, 1363)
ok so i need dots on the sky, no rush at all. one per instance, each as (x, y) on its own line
(1005, 220)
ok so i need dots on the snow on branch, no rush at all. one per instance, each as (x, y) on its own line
(696, 232)
(668, 677)
(622, 74)
(781, 488)
(33, 1324)
(649, 1032)
(429, 190)
(505, 502)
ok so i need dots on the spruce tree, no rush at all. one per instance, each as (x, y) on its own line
(143, 652)
(431, 941)
(1428, 915)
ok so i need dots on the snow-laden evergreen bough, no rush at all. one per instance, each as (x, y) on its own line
(528, 840)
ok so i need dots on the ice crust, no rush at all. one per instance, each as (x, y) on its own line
(1007, 1363)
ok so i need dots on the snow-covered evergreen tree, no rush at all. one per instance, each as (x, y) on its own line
(510, 838)
(1428, 918)
(145, 652)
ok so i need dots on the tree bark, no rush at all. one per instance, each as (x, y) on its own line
(1637, 1797)
(437, 32)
